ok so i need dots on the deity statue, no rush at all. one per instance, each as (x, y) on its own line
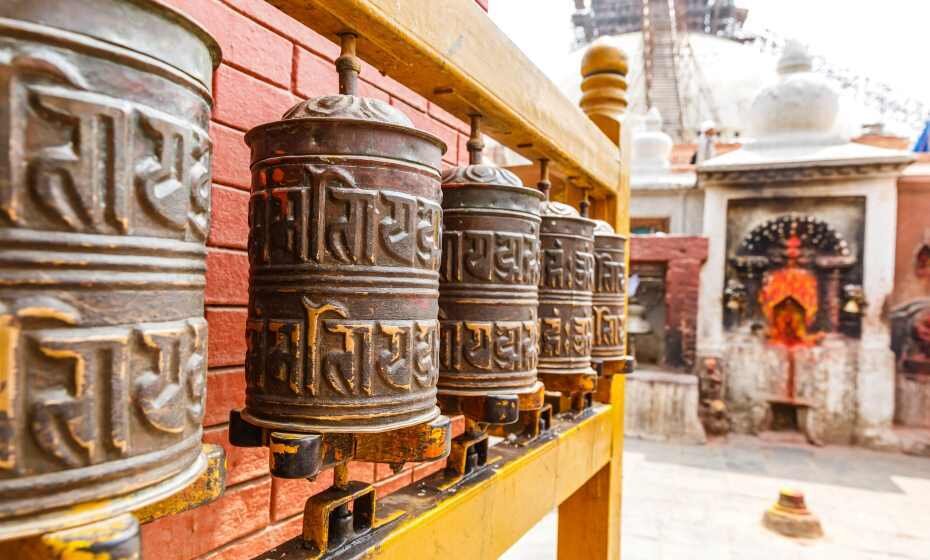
(788, 299)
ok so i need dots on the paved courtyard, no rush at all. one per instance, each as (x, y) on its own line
(705, 502)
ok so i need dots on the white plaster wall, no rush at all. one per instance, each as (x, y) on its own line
(683, 207)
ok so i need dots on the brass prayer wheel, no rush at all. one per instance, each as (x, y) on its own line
(344, 247)
(488, 284)
(609, 299)
(566, 320)
(104, 214)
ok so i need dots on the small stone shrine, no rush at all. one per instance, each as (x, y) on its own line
(801, 226)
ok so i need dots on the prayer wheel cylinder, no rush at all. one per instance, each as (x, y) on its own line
(488, 294)
(609, 295)
(566, 320)
(344, 250)
(104, 213)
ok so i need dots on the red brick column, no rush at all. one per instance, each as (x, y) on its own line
(683, 257)
(270, 61)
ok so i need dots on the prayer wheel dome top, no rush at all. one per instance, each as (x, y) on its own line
(603, 229)
(558, 210)
(348, 107)
(602, 57)
(480, 174)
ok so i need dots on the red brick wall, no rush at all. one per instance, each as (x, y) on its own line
(270, 61)
(913, 231)
(683, 257)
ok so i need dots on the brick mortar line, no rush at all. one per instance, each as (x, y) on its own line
(251, 73)
(223, 369)
(271, 526)
(263, 23)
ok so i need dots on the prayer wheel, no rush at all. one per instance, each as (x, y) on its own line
(609, 298)
(344, 245)
(342, 335)
(566, 319)
(104, 214)
(488, 288)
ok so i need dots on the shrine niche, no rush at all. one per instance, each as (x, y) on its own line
(794, 277)
(793, 306)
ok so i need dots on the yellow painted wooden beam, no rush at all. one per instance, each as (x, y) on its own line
(483, 517)
(450, 52)
(484, 520)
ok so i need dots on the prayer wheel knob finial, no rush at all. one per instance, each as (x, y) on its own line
(544, 183)
(348, 65)
(475, 143)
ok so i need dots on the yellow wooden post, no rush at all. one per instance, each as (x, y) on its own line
(589, 520)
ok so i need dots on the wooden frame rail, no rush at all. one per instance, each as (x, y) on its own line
(451, 53)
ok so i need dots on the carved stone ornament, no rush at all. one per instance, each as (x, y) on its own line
(104, 212)
(566, 283)
(488, 283)
(609, 295)
(344, 247)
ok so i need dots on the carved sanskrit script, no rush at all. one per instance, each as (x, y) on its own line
(488, 256)
(609, 274)
(314, 214)
(566, 338)
(608, 326)
(95, 387)
(488, 346)
(328, 350)
(564, 270)
(85, 162)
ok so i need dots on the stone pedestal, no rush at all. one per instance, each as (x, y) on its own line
(663, 406)
(912, 400)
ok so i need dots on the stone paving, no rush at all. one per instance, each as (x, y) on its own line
(705, 502)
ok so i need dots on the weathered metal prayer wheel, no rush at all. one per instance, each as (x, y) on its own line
(566, 320)
(609, 298)
(344, 248)
(104, 213)
(488, 283)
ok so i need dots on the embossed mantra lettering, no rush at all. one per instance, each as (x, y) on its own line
(491, 257)
(326, 346)
(93, 380)
(608, 299)
(86, 162)
(333, 222)
(470, 346)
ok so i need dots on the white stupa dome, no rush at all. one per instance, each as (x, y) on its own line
(652, 148)
(800, 107)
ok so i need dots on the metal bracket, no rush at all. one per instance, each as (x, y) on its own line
(534, 419)
(469, 453)
(423, 442)
(329, 522)
(569, 392)
(483, 409)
